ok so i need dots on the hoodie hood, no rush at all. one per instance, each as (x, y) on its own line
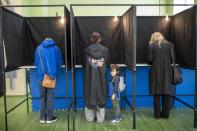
(48, 43)
(96, 51)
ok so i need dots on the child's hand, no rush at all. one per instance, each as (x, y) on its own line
(113, 97)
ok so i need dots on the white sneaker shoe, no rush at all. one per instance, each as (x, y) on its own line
(116, 120)
(54, 119)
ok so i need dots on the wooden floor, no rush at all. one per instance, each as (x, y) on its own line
(19, 120)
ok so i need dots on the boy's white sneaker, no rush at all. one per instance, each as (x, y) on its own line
(116, 119)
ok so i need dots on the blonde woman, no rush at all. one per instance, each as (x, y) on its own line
(159, 55)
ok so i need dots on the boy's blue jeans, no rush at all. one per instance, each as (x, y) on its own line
(116, 104)
(46, 103)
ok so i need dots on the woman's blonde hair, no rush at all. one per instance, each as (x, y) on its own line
(155, 38)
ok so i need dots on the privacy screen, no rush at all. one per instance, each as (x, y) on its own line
(180, 29)
(117, 36)
(127, 39)
(39, 28)
(109, 31)
(22, 35)
(184, 37)
(146, 26)
(13, 36)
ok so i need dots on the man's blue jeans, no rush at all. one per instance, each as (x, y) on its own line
(46, 103)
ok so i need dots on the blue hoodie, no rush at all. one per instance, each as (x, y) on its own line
(51, 59)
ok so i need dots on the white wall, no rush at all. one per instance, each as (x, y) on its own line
(16, 85)
(98, 11)
(16, 2)
(178, 9)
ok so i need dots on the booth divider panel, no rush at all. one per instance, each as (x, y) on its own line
(184, 37)
(13, 37)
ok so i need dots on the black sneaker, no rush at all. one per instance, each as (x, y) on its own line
(54, 119)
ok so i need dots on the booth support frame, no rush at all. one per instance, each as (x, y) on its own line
(134, 67)
(3, 72)
(134, 55)
(195, 93)
(134, 64)
(6, 112)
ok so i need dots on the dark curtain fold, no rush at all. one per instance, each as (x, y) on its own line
(184, 37)
(73, 37)
(146, 26)
(1, 55)
(127, 40)
(1, 67)
(13, 36)
(1, 79)
(68, 39)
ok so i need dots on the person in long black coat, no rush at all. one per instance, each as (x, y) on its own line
(1, 75)
(1, 80)
(159, 55)
(96, 58)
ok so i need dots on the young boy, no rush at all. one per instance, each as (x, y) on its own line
(115, 74)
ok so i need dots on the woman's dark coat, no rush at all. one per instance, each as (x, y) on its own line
(161, 71)
(95, 77)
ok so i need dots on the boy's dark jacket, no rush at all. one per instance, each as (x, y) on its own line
(115, 82)
(95, 78)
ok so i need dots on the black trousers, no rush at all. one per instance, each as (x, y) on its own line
(164, 111)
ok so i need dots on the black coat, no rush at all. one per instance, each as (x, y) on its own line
(1, 76)
(95, 76)
(161, 71)
(1, 83)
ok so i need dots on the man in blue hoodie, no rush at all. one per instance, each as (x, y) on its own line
(52, 60)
